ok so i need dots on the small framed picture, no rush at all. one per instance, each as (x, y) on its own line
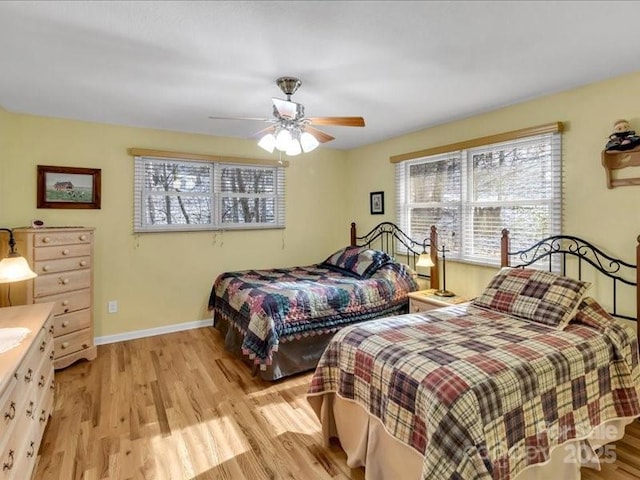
(376, 203)
(68, 187)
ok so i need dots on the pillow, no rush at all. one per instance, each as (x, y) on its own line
(591, 313)
(535, 295)
(361, 261)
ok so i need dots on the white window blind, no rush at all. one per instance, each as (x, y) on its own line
(172, 194)
(471, 195)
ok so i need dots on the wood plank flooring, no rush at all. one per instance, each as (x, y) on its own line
(178, 406)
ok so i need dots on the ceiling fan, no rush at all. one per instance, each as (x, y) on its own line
(290, 130)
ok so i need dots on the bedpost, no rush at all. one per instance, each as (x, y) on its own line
(433, 251)
(638, 289)
(353, 234)
(504, 248)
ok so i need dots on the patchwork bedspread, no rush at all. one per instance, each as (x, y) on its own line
(478, 393)
(273, 306)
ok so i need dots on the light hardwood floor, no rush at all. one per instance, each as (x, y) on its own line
(178, 406)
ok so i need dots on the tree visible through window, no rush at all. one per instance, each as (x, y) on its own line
(471, 195)
(190, 195)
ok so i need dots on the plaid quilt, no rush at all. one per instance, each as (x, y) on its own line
(273, 306)
(478, 393)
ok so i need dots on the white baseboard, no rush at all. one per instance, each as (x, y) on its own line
(150, 332)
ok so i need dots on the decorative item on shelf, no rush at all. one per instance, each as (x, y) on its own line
(14, 268)
(622, 138)
(444, 292)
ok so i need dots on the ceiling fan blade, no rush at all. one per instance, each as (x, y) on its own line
(264, 131)
(342, 121)
(285, 108)
(320, 135)
(256, 119)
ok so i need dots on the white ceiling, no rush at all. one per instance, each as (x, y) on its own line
(403, 66)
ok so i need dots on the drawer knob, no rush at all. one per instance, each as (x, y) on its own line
(46, 268)
(65, 303)
(10, 415)
(8, 465)
(30, 409)
(65, 251)
(65, 323)
(43, 345)
(51, 329)
(64, 281)
(41, 382)
(46, 240)
(31, 450)
(64, 345)
(83, 263)
(27, 377)
(83, 237)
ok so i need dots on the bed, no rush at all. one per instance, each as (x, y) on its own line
(492, 388)
(280, 320)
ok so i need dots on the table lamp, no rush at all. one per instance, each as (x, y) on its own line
(14, 268)
(444, 292)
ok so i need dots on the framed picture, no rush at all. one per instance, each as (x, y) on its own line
(376, 203)
(68, 187)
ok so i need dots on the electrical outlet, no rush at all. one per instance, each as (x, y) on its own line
(112, 306)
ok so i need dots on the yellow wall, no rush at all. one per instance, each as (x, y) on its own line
(162, 279)
(605, 217)
(5, 125)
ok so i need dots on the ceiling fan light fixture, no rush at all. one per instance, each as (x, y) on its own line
(268, 142)
(283, 139)
(294, 148)
(308, 142)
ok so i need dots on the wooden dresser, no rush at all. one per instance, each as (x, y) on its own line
(63, 260)
(26, 389)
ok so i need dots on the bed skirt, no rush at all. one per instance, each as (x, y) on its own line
(367, 444)
(291, 358)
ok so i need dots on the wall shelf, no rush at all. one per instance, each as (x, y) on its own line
(615, 160)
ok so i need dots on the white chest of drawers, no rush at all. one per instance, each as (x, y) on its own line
(26, 389)
(63, 260)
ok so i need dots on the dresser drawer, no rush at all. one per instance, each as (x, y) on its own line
(8, 408)
(416, 306)
(62, 265)
(68, 302)
(73, 342)
(71, 322)
(61, 282)
(15, 448)
(61, 251)
(61, 238)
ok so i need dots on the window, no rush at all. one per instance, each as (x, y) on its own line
(471, 195)
(173, 194)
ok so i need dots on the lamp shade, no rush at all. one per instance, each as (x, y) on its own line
(268, 142)
(283, 139)
(15, 269)
(294, 148)
(308, 142)
(424, 260)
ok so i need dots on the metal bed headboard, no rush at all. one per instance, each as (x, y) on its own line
(548, 249)
(386, 235)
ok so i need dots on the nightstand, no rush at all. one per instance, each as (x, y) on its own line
(424, 300)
